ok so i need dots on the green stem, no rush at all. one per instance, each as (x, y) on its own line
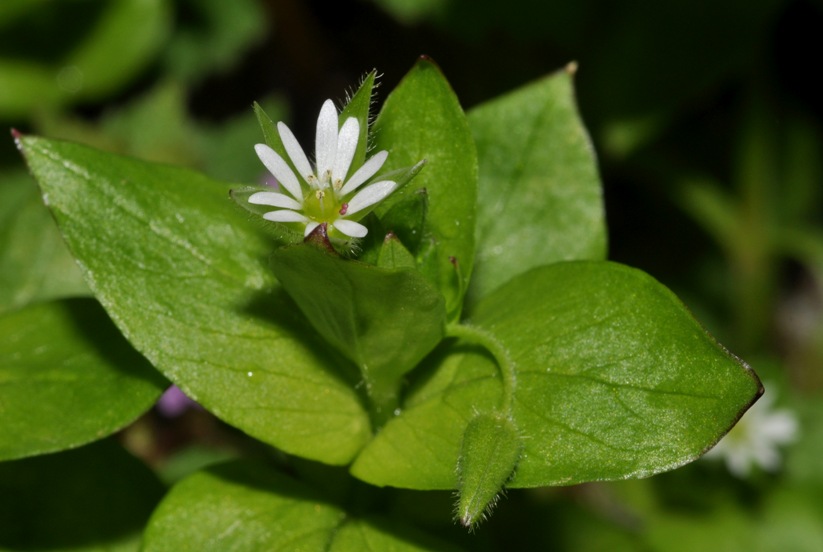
(481, 337)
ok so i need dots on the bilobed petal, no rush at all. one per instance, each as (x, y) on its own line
(285, 216)
(310, 228)
(326, 139)
(351, 228)
(365, 172)
(370, 195)
(346, 144)
(280, 169)
(275, 199)
(296, 153)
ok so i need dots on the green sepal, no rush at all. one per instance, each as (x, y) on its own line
(359, 107)
(489, 454)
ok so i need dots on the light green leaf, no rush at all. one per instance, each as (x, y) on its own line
(246, 506)
(422, 119)
(34, 261)
(539, 198)
(185, 276)
(614, 380)
(67, 377)
(96, 498)
(384, 320)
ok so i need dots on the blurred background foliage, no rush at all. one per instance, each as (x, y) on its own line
(706, 116)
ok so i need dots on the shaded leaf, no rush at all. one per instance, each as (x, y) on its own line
(67, 377)
(34, 261)
(97, 497)
(384, 320)
(247, 506)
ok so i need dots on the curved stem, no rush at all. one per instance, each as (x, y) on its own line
(481, 337)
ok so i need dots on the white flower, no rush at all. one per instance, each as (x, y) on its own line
(756, 438)
(326, 193)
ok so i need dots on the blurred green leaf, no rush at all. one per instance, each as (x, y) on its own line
(120, 40)
(212, 35)
(96, 498)
(422, 119)
(246, 506)
(34, 261)
(539, 198)
(184, 275)
(67, 377)
(614, 380)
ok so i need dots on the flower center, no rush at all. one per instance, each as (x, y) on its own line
(323, 206)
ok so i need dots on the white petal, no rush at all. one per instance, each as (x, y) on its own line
(310, 228)
(275, 199)
(284, 216)
(296, 153)
(365, 172)
(280, 169)
(351, 228)
(370, 195)
(326, 138)
(346, 145)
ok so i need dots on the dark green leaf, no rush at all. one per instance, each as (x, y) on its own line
(67, 377)
(245, 506)
(422, 119)
(34, 262)
(539, 198)
(185, 276)
(384, 320)
(96, 498)
(614, 380)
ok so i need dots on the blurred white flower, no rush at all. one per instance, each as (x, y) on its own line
(756, 438)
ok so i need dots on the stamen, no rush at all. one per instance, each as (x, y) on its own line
(343, 209)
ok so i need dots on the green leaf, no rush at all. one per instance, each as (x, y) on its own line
(184, 275)
(96, 498)
(422, 119)
(34, 261)
(614, 380)
(384, 320)
(489, 453)
(539, 198)
(247, 506)
(107, 44)
(67, 377)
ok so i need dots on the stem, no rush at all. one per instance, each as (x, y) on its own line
(481, 337)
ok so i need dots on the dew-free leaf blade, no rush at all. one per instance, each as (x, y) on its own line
(539, 198)
(250, 506)
(422, 119)
(97, 497)
(184, 275)
(67, 377)
(34, 262)
(615, 379)
(384, 320)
